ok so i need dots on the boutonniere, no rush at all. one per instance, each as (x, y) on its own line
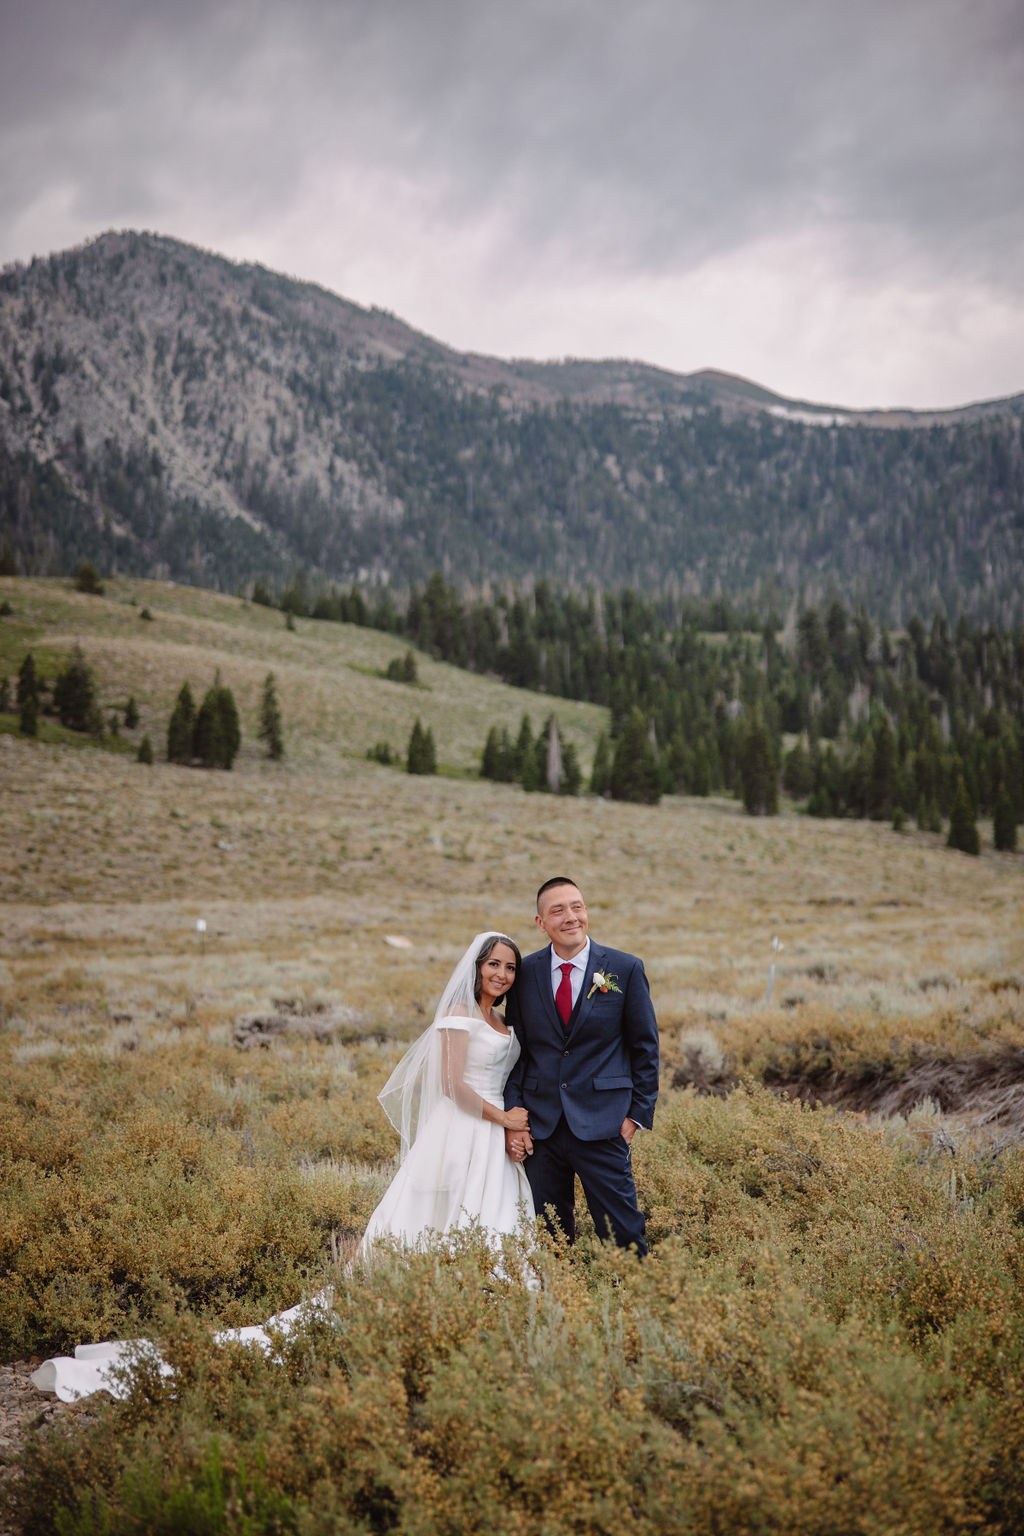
(602, 981)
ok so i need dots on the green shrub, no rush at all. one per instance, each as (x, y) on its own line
(87, 579)
(402, 669)
(435, 1396)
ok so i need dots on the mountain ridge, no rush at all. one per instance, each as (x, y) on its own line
(614, 374)
(167, 411)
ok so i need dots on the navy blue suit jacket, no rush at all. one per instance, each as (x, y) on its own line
(601, 1069)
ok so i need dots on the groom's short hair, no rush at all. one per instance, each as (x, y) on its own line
(550, 885)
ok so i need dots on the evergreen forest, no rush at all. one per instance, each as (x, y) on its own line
(851, 718)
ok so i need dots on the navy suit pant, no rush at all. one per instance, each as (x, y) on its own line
(605, 1170)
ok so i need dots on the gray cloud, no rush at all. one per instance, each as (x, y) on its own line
(566, 138)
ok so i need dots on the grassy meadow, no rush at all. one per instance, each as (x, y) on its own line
(828, 1336)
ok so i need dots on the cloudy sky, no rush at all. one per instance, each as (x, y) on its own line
(822, 195)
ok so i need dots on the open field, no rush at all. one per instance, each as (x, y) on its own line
(829, 1337)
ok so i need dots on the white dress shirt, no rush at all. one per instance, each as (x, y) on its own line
(576, 976)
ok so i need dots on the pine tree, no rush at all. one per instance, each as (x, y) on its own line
(131, 714)
(522, 750)
(145, 752)
(230, 727)
(881, 783)
(798, 772)
(491, 764)
(1004, 822)
(271, 731)
(74, 694)
(634, 773)
(757, 769)
(28, 715)
(414, 751)
(700, 772)
(601, 772)
(929, 817)
(572, 774)
(216, 736)
(421, 755)
(208, 742)
(181, 726)
(29, 683)
(676, 765)
(5, 695)
(963, 825)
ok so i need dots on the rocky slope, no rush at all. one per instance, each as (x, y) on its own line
(168, 412)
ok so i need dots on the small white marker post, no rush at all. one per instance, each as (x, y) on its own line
(201, 930)
(776, 946)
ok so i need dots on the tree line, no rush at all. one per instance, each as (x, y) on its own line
(847, 717)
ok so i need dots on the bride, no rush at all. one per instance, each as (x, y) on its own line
(445, 1098)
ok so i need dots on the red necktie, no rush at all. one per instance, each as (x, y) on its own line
(563, 996)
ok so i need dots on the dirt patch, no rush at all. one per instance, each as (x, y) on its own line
(985, 1090)
(24, 1409)
(292, 1017)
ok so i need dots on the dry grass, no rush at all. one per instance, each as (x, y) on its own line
(301, 869)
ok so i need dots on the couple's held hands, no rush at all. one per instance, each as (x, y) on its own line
(518, 1141)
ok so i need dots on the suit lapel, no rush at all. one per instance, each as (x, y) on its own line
(584, 1004)
(547, 996)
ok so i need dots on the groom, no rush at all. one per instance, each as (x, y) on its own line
(588, 1070)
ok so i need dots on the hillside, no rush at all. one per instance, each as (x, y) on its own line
(165, 412)
(335, 701)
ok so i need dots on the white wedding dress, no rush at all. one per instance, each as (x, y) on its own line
(456, 1172)
(95, 1367)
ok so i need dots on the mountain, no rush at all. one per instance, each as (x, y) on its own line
(164, 411)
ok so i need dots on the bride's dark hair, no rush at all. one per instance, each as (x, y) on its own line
(485, 951)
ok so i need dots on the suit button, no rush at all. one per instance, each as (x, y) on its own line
(565, 1053)
(562, 1085)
